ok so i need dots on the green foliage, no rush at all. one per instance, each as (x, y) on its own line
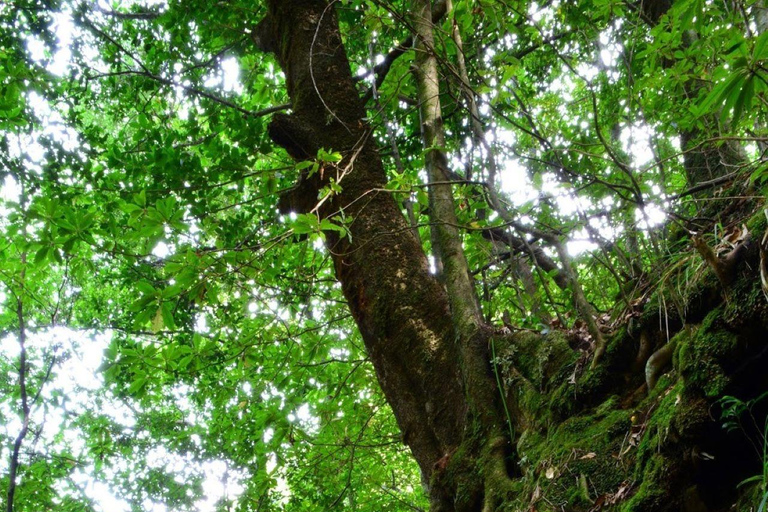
(139, 222)
(733, 412)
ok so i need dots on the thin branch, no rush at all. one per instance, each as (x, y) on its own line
(382, 69)
(188, 88)
(197, 92)
(14, 465)
(141, 15)
(705, 185)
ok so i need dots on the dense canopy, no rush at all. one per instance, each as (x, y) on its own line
(383, 255)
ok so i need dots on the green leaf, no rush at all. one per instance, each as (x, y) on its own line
(306, 223)
(327, 224)
(325, 156)
(744, 100)
(732, 98)
(146, 287)
(137, 385)
(720, 93)
(167, 313)
(760, 51)
(41, 256)
(157, 321)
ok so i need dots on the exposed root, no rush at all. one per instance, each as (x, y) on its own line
(600, 345)
(724, 268)
(657, 362)
(644, 351)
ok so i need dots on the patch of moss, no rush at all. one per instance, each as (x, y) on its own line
(608, 375)
(650, 314)
(662, 409)
(757, 224)
(651, 495)
(531, 365)
(701, 357)
(611, 403)
(539, 359)
(463, 471)
(746, 301)
(579, 460)
(673, 417)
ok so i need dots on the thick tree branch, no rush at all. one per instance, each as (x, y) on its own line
(401, 310)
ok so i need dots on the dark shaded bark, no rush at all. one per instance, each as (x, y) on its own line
(401, 310)
(702, 160)
(434, 366)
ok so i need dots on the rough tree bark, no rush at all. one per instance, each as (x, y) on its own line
(577, 438)
(434, 371)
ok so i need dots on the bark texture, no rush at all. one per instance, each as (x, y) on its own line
(429, 348)
(402, 311)
(584, 438)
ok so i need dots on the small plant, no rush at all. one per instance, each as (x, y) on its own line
(734, 412)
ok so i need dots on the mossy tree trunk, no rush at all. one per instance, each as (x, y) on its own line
(429, 346)
(555, 435)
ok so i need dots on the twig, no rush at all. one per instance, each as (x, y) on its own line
(14, 465)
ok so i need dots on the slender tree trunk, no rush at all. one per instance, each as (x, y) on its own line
(464, 304)
(472, 335)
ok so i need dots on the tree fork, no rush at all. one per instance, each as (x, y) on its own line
(434, 370)
(401, 310)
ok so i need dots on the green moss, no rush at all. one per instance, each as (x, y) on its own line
(573, 464)
(619, 354)
(650, 313)
(578, 497)
(464, 470)
(682, 340)
(532, 365)
(702, 355)
(757, 223)
(675, 415)
(664, 406)
(610, 404)
(580, 443)
(541, 360)
(746, 302)
(651, 494)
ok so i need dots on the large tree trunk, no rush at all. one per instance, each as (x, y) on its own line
(702, 160)
(583, 439)
(430, 351)
(402, 311)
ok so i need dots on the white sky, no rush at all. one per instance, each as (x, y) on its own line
(78, 379)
